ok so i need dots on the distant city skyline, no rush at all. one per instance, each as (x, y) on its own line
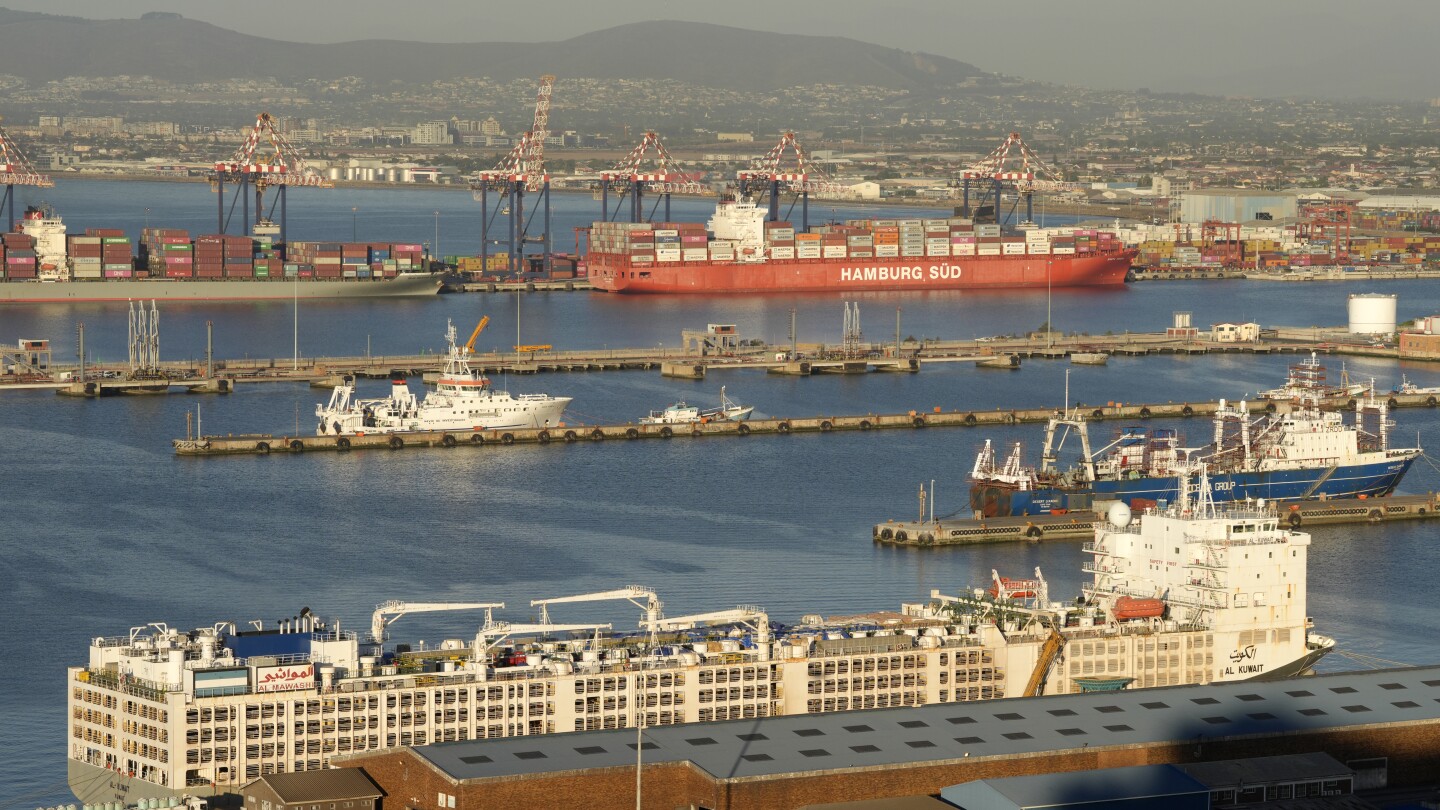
(1328, 48)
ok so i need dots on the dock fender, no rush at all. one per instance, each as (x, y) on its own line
(743, 430)
(476, 438)
(1187, 411)
(543, 437)
(1270, 406)
(1350, 406)
(886, 534)
(1010, 418)
(89, 388)
(696, 432)
(396, 442)
(1393, 403)
(825, 426)
(666, 432)
(1431, 402)
(571, 436)
(447, 440)
(632, 433)
(1375, 515)
(783, 427)
(597, 435)
(1144, 413)
(507, 438)
(1295, 520)
(918, 422)
(1097, 413)
(927, 539)
(297, 446)
(342, 443)
(969, 418)
(222, 385)
(1034, 532)
(902, 536)
(263, 448)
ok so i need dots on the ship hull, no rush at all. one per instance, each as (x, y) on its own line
(616, 273)
(93, 784)
(35, 292)
(1369, 479)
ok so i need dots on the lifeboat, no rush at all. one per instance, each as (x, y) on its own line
(1008, 588)
(1128, 607)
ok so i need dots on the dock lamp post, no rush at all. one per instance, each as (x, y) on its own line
(354, 224)
(437, 233)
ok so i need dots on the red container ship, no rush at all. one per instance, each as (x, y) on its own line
(743, 253)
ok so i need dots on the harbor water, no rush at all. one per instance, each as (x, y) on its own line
(105, 528)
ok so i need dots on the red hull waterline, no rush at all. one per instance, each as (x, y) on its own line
(614, 273)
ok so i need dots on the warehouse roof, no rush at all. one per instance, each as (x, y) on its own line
(1267, 770)
(1078, 787)
(995, 728)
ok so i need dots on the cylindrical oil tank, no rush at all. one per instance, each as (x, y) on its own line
(1372, 314)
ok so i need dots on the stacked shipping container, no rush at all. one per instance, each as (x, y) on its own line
(18, 260)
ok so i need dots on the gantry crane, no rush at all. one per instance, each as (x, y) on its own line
(1030, 175)
(753, 617)
(15, 170)
(521, 171)
(265, 159)
(627, 178)
(1328, 221)
(786, 164)
(651, 604)
(395, 609)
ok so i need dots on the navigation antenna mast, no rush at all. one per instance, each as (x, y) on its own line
(144, 340)
(521, 171)
(786, 163)
(265, 159)
(627, 178)
(15, 170)
(850, 341)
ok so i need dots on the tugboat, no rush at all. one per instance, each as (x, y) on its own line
(683, 414)
(463, 400)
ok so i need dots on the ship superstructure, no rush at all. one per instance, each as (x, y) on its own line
(160, 712)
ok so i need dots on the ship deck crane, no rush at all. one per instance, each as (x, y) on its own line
(395, 609)
(651, 603)
(15, 170)
(1030, 175)
(753, 617)
(627, 178)
(786, 164)
(470, 344)
(493, 632)
(265, 159)
(521, 171)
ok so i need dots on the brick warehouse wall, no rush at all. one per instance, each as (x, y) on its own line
(1413, 751)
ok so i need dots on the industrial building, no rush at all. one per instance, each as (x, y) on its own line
(1389, 716)
(1236, 205)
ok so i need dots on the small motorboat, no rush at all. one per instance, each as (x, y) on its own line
(683, 414)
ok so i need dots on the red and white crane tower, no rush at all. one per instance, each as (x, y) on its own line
(787, 164)
(15, 170)
(1327, 222)
(521, 171)
(627, 178)
(265, 159)
(1013, 162)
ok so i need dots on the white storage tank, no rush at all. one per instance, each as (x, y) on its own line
(1372, 314)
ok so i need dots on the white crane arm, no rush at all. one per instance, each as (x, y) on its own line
(634, 593)
(395, 609)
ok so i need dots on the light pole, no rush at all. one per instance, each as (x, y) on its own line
(437, 233)
(354, 224)
(147, 218)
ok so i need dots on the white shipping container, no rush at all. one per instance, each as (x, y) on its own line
(1040, 249)
(938, 250)
(782, 252)
(695, 254)
(909, 251)
(1063, 251)
(887, 250)
(833, 252)
(962, 250)
(989, 250)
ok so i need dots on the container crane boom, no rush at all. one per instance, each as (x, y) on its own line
(470, 344)
(395, 609)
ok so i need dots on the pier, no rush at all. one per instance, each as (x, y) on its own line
(1081, 525)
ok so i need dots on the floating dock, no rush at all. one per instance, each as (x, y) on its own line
(1081, 525)
(252, 444)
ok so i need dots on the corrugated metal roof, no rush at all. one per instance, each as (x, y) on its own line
(994, 728)
(1267, 770)
(335, 784)
(1082, 787)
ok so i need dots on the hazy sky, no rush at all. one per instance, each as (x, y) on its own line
(1254, 47)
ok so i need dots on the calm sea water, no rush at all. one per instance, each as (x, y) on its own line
(104, 528)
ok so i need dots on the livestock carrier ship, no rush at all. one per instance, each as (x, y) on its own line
(42, 263)
(158, 712)
(1291, 453)
(742, 252)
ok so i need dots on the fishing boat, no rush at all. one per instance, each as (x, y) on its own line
(463, 400)
(684, 414)
(1306, 380)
